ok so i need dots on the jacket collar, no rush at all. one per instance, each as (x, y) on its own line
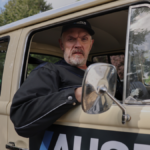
(63, 62)
(70, 68)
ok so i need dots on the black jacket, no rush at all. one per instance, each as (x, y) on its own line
(46, 95)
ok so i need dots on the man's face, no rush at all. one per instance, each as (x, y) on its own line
(76, 44)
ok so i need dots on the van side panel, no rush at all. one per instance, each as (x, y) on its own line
(6, 84)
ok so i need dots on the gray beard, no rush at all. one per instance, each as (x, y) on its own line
(76, 61)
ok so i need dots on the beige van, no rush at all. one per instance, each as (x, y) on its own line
(122, 39)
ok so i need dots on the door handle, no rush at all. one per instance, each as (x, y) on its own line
(11, 146)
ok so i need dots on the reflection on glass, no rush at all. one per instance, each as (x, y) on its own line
(99, 75)
(103, 59)
(138, 75)
(118, 62)
(115, 59)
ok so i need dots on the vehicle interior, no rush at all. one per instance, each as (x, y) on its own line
(109, 43)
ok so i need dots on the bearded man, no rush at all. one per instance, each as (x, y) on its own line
(53, 89)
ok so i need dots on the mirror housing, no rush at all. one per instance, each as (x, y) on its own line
(96, 76)
(98, 90)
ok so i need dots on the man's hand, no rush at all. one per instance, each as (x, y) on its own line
(78, 94)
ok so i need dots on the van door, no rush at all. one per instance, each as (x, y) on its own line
(8, 46)
(13, 139)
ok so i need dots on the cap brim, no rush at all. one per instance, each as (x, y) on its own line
(90, 31)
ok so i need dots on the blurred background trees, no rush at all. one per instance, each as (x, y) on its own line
(42, 57)
(19, 9)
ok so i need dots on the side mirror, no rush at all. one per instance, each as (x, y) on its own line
(98, 90)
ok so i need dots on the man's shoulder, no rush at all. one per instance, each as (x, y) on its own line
(60, 67)
(47, 65)
(51, 66)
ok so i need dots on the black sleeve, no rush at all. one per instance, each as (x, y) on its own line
(38, 103)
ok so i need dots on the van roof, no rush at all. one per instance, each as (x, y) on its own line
(53, 13)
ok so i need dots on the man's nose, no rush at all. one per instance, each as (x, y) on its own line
(78, 43)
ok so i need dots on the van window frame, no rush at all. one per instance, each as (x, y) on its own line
(127, 52)
(100, 13)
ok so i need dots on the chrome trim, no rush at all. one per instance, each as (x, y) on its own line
(140, 5)
(127, 50)
(83, 81)
(40, 117)
(126, 56)
(85, 76)
(125, 117)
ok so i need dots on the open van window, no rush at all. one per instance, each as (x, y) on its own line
(107, 38)
(115, 59)
(36, 59)
(3, 50)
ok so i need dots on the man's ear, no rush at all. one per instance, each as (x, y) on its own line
(61, 44)
(92, 43)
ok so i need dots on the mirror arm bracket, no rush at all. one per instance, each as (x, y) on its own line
(125, 117)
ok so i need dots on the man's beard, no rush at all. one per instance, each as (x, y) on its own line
(75, 59)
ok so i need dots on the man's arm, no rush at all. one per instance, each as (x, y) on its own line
(78, 94)
(39, 103)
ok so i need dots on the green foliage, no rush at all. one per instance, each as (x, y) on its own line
(147, 81)
(3, 50)
(19, 9)
(137, 12)
(137, 50)
(45, 58)
(2, 60)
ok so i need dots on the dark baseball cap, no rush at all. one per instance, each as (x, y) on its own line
(78, 24)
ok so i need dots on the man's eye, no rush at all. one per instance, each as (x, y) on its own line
(70, 39)
(84, 39)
